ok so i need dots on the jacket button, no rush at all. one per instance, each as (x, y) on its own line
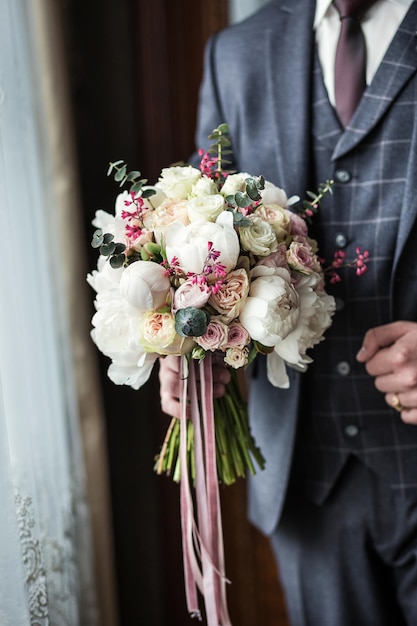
(351, 430)
(343, 368)
(341, 240)
(342, 176)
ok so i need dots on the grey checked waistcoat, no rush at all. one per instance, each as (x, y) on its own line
(258, 79)
(342, 412)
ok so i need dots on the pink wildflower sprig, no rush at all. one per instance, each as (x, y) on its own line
(311, 207)
(211, 268)
(359, 264)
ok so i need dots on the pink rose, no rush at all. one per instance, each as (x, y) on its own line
(190, 294)
(301, 257)
(298, 225)
(276, 259)
(231, 297)
(215, 337)
(238, 336)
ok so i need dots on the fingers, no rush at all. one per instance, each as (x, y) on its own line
(382, 337)
(404, 403)
(170, 381)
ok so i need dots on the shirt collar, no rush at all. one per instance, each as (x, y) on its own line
(322, 6)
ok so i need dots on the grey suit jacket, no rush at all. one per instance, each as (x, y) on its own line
(257, 78)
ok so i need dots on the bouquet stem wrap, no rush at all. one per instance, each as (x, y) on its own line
(203, 550)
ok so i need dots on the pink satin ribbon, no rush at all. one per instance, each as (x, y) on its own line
(203, 549)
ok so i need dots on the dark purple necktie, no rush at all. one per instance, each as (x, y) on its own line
(350, 61)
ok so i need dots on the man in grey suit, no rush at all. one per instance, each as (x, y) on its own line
(338, 496)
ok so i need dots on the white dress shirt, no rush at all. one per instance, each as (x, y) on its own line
(379, 26)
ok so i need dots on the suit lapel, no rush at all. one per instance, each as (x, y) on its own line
(291, 45)
(396, 69)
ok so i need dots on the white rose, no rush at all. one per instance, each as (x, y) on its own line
(259, 237)
(204, 187)
(206, 208)
(177, 182)
(145, 285)
(272, 308)
(189, 244)
(234, 183)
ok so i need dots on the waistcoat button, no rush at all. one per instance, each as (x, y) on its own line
(342, 176)
(340, 240)
(343, 368)
(351, 430)
(340, 304)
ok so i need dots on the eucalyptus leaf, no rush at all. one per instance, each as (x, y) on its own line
(97, 238)
(120, 174)
(242, 200)
(132, 175)
(107, 248)
(240, 220)
(108, 237)
(191, 322)
(113, 165)
(117, 260)
(147, 193)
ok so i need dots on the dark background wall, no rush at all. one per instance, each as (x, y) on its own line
(135, 67)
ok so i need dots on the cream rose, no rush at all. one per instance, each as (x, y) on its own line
(236, 357)
(157, 334)
(258, 238)
(231, 296)
(278, 218)
(168, 212)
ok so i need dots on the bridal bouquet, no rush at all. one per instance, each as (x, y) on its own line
(207, 263)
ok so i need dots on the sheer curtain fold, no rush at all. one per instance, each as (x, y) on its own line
(47, 561)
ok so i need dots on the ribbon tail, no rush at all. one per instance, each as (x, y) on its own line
(192, 573)
(213, 497)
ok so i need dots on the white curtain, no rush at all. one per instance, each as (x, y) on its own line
(46, 560)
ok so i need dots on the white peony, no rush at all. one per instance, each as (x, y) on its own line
(177, 182)
(315, 311)
(271, 309)
(145, 285)
(116, 334)
(189, 244)
(275, 195)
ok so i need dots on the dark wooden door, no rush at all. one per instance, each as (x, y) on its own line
(135, 68)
